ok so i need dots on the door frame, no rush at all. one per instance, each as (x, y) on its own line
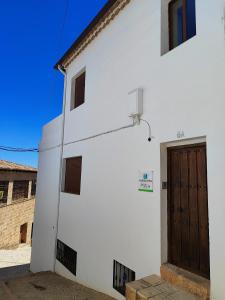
(171, 148)
(164, 145)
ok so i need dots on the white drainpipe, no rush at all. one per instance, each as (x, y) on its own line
(63, 71)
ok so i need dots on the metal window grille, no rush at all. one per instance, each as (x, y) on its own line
(121, 276)
(67, 257)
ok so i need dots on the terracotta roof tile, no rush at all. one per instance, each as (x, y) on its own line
(10, 166)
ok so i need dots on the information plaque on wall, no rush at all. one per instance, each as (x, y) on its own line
(146, 182)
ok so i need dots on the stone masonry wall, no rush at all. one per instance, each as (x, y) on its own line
(11, 218)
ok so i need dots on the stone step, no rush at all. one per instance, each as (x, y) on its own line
(5, 293)
(154, 288)
(187, 281)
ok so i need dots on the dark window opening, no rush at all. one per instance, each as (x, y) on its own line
(182, 21)
(32, 230)
(78, 96)
(23, 233)
(20, 190)
(72, 181)
(33, 188)
(4, 185)
(31, 233)
(121, 276)
(67, 257)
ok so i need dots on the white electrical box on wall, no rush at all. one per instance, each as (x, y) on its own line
(136, 103)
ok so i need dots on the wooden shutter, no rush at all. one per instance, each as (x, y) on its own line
(79, 90)
(73, 175)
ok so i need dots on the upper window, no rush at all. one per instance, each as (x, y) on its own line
(182, 22)
(4, 185)
(33, 187)
(78, 91)
(72, 180)
(20, 189)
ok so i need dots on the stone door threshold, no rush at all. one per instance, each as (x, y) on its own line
(155, 288)
(188, 281)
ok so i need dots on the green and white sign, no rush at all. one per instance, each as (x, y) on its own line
(1, 195)
(146, 182)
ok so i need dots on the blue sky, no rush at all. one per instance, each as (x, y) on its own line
(31, 43)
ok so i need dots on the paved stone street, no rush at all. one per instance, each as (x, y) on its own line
(47, 286)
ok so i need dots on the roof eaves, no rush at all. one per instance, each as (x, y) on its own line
(106, 14)
(11, 166)
(17, 170)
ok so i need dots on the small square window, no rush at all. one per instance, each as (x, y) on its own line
(182, 22)
(72, 178)
(78, 91)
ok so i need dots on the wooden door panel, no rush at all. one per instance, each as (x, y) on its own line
(193, 211)
(184, 208)
(188, 236)
(176, 221)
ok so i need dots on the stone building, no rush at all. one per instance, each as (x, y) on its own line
(17, 198)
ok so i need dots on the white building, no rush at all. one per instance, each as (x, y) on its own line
(90, 200)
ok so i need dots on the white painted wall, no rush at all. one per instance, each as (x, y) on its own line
(45, 219)
(183, 90)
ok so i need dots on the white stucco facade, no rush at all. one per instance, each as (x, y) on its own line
(184, 91)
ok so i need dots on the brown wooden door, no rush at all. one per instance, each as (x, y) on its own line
(23, 233)
(188, 233)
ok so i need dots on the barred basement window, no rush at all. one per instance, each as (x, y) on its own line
(121, 276)
(20, 189)
(67, 257)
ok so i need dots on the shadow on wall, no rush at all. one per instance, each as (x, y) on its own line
(14, 272)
